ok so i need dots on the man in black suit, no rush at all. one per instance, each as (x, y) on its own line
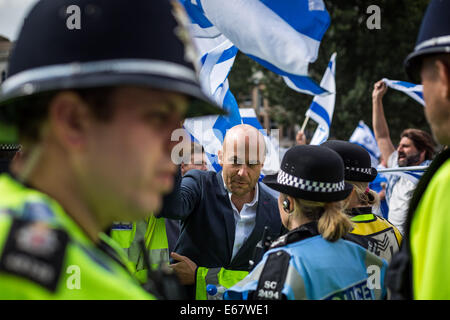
(223, 214)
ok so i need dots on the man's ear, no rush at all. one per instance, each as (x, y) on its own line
(422, 156)
(444, 78)
(69, 118)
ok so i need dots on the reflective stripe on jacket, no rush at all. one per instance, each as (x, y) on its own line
(152, 232)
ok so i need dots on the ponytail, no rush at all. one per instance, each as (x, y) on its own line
(365, 195)
(333, 223)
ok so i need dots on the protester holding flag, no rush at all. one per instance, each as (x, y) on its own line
(223, 214)
(371, 231)
(416, 147)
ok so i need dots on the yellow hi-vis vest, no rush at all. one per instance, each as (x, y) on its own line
(376, 234)
(220, 277)
(153, 232)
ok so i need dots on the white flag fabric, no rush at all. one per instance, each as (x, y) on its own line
(322, 107)
(413, 176)
(415, 91)
(272, 163)
(364, 137)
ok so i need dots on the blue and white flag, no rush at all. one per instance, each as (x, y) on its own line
(214, 59)
(364, 137)
(283, 36)
(322, 107)
(415, 91)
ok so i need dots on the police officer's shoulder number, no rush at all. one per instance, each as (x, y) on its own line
(273, 276)
(34, 251)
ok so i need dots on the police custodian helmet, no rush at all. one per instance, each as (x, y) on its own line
(433, 38)
(116, 42)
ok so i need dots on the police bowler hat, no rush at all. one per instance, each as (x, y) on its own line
(433, 38)
(311, 173)
(114, 43)
(358, 166)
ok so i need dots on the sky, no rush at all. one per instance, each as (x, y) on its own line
(12, 13)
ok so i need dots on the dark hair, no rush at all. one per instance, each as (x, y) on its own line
(422, 141)
(28, 114)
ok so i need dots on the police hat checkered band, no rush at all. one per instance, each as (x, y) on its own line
(362, 170)
(9, 147)
(438, 41)
(286, 179)
(124, 66)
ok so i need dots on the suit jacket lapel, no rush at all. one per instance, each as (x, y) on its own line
(228, 215)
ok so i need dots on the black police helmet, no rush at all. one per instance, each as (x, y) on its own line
(117, 42)
(358, 166)
(311, 173)
(433, 38)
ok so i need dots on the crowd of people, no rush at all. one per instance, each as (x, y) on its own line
(93, 206)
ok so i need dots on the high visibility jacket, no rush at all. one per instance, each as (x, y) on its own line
(44, 254)
(220, 277)
(430, 236)
(374, 233)
(151, 232)
(303, 265)
(419, 269)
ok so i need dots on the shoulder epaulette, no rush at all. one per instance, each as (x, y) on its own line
(273, 276)
(34, 251)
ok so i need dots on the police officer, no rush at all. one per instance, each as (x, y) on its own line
(94, 102)
(312, 261)
(373, 232)
(420, 269)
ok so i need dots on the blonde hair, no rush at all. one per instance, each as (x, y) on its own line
(333, 223)
(370, 198)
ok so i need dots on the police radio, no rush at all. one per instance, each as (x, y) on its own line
(261, 248)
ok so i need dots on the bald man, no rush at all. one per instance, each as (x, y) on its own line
(223, 215)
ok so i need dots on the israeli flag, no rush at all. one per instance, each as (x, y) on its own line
(415, 91)
(322, 107)
(283, 36)
(215, 57)
(364, 137)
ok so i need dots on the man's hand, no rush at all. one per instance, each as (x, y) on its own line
(300, 138)
(379, 89)
(185, 268)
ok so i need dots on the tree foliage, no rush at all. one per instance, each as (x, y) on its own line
(364, 56)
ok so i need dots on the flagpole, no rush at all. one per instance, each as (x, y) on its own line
(304, 124)
(399, 169)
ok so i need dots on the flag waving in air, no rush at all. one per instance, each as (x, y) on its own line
(322, 107)
(283, 36)
(415, 91)
(364, 137)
